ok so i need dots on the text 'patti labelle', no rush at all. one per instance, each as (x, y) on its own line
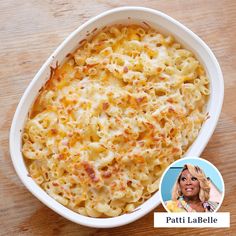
(205, 220)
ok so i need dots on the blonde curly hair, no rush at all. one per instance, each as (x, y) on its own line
(198, 173)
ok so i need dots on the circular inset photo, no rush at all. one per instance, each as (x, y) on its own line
(191, 184)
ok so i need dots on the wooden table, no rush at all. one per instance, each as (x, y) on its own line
(30, 30)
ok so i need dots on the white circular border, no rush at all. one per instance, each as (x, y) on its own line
(185, 159)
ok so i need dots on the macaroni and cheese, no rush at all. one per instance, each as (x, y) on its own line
(121, 108)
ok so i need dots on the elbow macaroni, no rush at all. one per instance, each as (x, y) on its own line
(125, 105)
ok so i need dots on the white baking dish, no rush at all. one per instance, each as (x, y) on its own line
(125, 15)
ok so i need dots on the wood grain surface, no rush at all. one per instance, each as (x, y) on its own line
(30, 30)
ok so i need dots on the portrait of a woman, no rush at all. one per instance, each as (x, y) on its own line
(191, 192)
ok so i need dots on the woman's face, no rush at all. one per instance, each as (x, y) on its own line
(189, 184)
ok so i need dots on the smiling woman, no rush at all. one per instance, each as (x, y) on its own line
(191, 192)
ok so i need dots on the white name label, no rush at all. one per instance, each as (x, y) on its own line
(192, 220)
